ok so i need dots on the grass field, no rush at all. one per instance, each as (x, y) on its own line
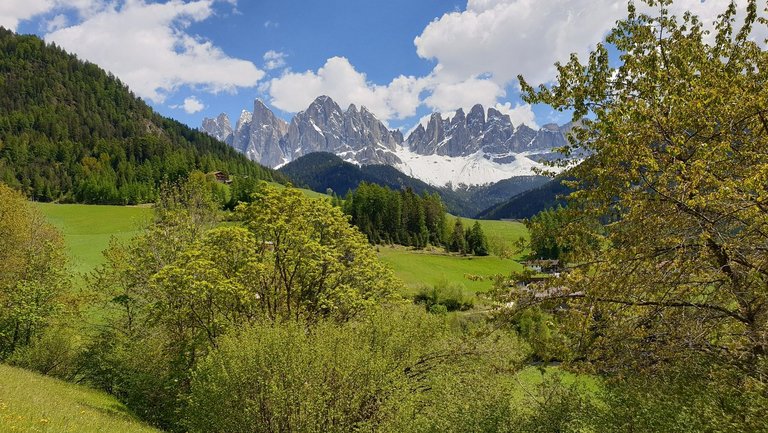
(418, 268)
(33, 403)
(87, 229)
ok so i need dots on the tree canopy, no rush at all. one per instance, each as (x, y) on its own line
(32, 271)
(71, 131)
(678, 137)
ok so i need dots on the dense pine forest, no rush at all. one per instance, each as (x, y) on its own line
(70, 131)
(403, 217)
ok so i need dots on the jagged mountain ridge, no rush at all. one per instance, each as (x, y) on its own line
(473, 149)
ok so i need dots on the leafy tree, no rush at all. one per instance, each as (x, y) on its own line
(33, 271)
(185, 283)
(678, 135)
(310, 261)
(396, 370)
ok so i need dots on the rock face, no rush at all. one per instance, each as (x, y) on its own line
(219, 128)
(356, 135)
(323, 127)
(494, 135)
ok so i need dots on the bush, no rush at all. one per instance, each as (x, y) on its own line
(55, 353)
(395, 371)
(451, 296)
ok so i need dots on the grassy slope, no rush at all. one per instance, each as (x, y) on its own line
(419, 268)
(87, 229)
(33, 403)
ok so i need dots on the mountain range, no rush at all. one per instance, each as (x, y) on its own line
(478, 148)
(321, 171)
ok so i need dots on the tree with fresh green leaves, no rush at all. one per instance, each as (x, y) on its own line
(33, 271)
(310, 262)
(678, 164)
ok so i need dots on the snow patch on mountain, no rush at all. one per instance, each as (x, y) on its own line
(454, 171)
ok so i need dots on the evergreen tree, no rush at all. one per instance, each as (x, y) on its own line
(478, 243)
(458, 240)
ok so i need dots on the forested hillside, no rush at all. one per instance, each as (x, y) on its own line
(321, 171)
(70, 131)
(529, 203)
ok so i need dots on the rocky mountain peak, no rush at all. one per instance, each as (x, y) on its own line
(486, 139)
(220, 128)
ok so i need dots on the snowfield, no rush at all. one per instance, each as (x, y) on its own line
(475, 169)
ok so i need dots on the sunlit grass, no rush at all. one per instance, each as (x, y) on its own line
(33, 403)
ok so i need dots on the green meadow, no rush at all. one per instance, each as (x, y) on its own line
(419, 268)
(30, 402)
(87, 229)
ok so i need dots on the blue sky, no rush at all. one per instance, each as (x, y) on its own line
(403, 59)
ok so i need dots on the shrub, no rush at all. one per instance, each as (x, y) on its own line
(451, 296)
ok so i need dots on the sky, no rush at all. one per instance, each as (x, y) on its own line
(402, 59)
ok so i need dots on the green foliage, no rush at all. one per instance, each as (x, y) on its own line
(72, 132)
(457, 241)
(477, 243)
(678, 167)
(185, 283)
(540, 330)
(33, 273)
(394, 371)
(393, 217)
(449, 296)
(311, 261)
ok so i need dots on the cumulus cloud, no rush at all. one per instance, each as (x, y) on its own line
(274, 60)
(520, 114)
(148, 47)
(14, 11)
(294, 91)
(504, 38)
(191, 105)
(56, 23)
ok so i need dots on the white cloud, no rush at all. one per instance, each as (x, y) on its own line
(191, 105)
(447, 95)
(520, 114)
(271, 24)
(14, 11)
(505, 38)
(294, 91)
(274, 60)
(58, 22)
(147, 46)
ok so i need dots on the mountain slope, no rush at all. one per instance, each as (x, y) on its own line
(320, 171)
(529, 203)
(464, 150)
(70, 131)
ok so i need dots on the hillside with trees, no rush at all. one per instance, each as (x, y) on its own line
(403, 217)
(70, 131)
(322, 171)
